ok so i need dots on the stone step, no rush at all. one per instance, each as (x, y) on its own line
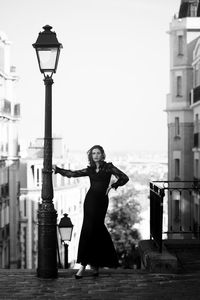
(187, 253)
(182, 244)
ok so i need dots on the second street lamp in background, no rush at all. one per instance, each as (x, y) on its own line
(48, 50)
(65, 228)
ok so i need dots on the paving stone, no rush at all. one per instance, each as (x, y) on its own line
(111, 285)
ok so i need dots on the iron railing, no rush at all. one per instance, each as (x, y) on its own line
(156, 214)
(182, 199)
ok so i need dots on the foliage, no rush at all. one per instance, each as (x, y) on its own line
(121, 218)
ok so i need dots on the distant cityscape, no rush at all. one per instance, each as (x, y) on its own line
(143, 167)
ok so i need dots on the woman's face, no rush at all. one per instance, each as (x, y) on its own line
(96, 155)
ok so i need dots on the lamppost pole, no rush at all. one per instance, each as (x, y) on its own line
(66, 256)
(47, 49)
(47, 216)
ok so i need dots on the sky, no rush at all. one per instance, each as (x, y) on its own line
(113, 73)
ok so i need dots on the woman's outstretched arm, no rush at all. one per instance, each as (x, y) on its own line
(70, 173)
(122, 178)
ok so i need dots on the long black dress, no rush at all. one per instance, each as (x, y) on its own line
(95, 244)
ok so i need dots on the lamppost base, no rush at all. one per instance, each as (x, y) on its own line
(47, 273)
(47, 238)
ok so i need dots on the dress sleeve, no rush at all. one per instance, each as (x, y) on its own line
(122, 178)
(69, 173)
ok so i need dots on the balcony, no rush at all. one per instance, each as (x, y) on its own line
(5, 107)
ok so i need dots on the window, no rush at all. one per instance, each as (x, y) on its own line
(192, 9)
(32, 170)
(180, 45)
(179, 86)
(177, 126)
(38, 177)
(177, 168)
(24, 207)
(25, 252)
(196, 140)
(196, 123)
(196, 168)
(196, 75)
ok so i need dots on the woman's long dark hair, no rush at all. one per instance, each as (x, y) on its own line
(89, 153)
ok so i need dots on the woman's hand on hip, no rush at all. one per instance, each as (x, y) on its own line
(54, 167)
(108, 190)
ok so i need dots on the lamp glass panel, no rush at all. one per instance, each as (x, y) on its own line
(47, 58)
(66, 233)
(176, 195)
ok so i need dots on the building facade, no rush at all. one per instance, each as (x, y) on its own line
(69, 195)
(183, 114)
(9, 161)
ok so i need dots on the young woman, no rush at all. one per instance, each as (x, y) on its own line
(95, 245)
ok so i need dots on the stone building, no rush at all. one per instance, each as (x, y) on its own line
(183, 108)
(9, 161)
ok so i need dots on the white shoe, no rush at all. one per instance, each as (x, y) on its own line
(80, 272)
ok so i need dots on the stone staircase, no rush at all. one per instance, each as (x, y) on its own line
(118, 284)
(187, 253)
(178, 256)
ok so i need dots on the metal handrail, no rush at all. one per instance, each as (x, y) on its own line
(175, 214)
(156, 214)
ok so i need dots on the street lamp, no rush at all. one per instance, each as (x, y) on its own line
(65, 229)
(47, 49)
